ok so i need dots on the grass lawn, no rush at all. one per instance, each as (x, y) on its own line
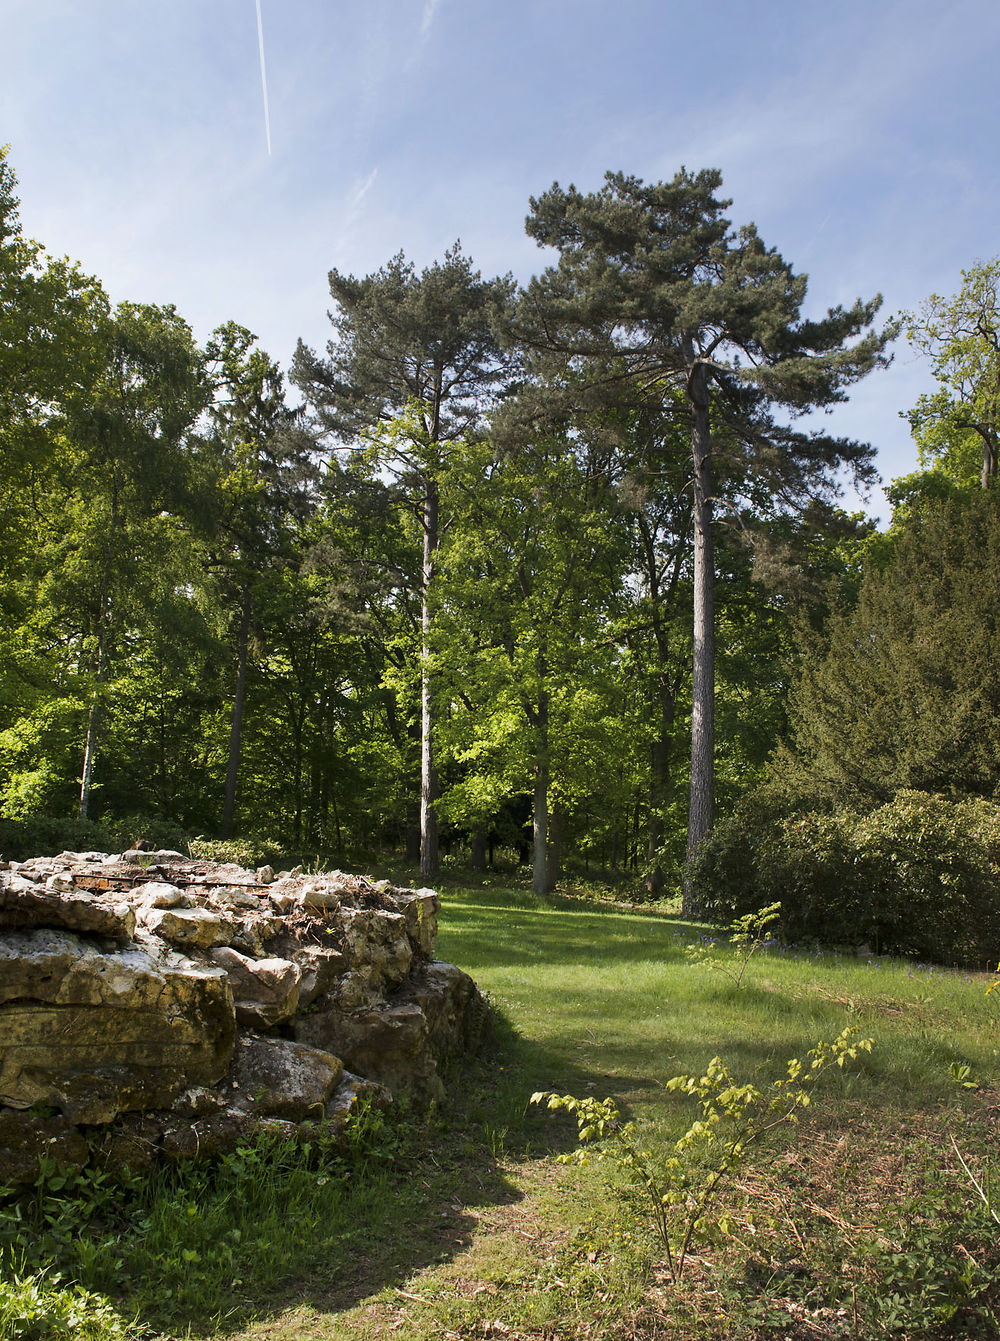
(857, 1222)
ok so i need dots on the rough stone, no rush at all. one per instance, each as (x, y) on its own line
(191, 928)
(266, 990)
(25, 1138)
(390, 1044)
(455, 1012)
(160, 894)
(278, 1077)
(321, 969)
(378, 939)
(23, 904)
(112, 1032)
(351, 1094)
(135, 856)
(420, 908)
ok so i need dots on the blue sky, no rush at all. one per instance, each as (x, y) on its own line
(860, 137)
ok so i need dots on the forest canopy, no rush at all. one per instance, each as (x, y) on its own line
(507, 574)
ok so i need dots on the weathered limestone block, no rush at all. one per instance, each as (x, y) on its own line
(266, 990)
(356, 987)
(318, 894)
(278, 1077)
(320, 968)
(378, 940)
(350, 1094)
(63, 969)
(456, 1013)
(236, 897)
(420, 907)
(161, 894)
(190, 928)
(112, 1032)
(388, 1044)
(26, 1138)
(24, 904)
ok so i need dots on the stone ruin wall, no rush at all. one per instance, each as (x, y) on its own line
(153, 1006)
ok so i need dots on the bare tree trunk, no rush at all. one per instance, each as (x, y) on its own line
(93, 733)
(236, 728)
(989, 470)
(429, 864)
(703, 677)
(94, 716)
(553, 864)
(659, 781)
(540, 826)
(477, 854)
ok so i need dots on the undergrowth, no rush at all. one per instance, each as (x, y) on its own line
(196, 1244)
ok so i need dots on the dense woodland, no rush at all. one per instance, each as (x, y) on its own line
(546, 573)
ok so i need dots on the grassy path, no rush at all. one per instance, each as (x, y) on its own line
(508, 1242)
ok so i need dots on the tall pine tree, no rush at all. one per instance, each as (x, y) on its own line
(415, 365)
(653, 286)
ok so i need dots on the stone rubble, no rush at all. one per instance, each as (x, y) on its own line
(154, 1006)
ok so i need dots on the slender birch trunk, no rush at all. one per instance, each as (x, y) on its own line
(93, 732)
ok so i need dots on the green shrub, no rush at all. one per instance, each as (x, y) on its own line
(917, 876)
(246, 852)
(932, 876)
(45, 835)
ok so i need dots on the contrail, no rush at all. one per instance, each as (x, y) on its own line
(263, 78)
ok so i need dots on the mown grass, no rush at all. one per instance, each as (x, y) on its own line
(460, 1223)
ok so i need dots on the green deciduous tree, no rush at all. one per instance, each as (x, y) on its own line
(532, 577)
(958, 426)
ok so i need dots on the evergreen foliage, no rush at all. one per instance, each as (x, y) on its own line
(904, 690)
(654, 287)
(917, 876)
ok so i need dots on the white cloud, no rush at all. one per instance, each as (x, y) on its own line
(430, 9)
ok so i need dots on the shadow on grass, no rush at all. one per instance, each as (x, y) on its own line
(415, 1205)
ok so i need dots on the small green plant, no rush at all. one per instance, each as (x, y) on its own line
(40, 1307)
(747, 935)
(680, 1189)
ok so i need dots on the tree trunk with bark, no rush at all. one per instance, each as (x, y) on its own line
(553, 864)
(236, 727)
(93, 733)
(429, 864)
(703, 676)
(540, 818)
